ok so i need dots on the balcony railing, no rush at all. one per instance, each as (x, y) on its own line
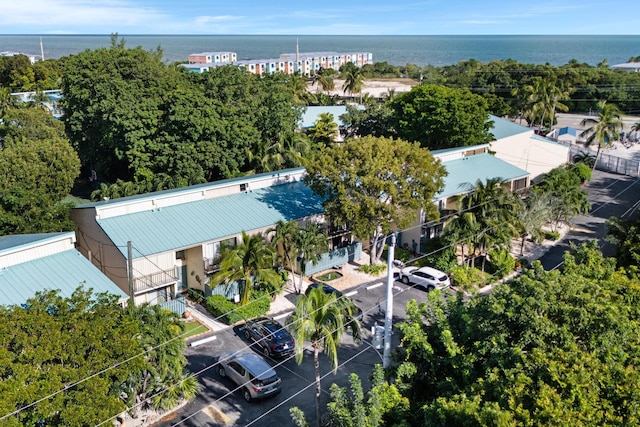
(155, 280)
(212, 264)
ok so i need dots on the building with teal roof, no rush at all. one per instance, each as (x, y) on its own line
(522, 147)
(159, 244)
(32, 263)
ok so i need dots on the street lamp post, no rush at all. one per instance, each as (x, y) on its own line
(388, 314)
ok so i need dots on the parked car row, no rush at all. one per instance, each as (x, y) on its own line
(256, 378)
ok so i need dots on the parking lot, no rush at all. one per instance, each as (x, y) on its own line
(219, 404)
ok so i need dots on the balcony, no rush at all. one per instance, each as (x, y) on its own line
(212, 264)
(155, 280)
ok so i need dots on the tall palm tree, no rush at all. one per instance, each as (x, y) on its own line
(354, 81)
(543, 98)
(493, 206)
(285, 237)
(250, 263)
(322, 319)
(602, 130)
(534, 213)
(164, 377)
(311, 242)
(327, 83)
(461, 228)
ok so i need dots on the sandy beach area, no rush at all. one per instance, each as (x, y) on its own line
(377, 88)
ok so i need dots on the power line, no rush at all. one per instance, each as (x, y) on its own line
(264, 296)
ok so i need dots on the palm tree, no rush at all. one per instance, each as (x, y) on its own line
(327, 83)
(543, 98)
(250, 263)
(324, 130)
(285, 237)
(603, 130)
(310, 243)
(321, 318)
(461, 228)
(354, 81)
(534, 213)
(163, 377)
(493, 206)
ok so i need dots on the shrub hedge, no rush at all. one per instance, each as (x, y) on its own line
(230, 313)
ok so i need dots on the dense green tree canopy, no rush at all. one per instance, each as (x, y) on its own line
(38, 167)
(83, 360)
(55, 343)
(548, 348)
(371, 183)
(440, 117)
(131, 117)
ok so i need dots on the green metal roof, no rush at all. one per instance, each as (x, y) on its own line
(464, 173)
(184, 190)
(64, 271)
(189, 224)
(10, 243)
(503, 128)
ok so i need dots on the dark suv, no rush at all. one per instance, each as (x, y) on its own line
(271, 336)
(355, 311)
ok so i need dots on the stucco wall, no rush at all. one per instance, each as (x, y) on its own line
(531, 154)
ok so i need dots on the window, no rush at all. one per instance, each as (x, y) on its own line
(181, 255)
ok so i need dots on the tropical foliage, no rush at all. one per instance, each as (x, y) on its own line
(534, 352)
(371, 183)
(252, 265)
(602, 130)
(439, 117)
(38, 167)
(84, 359)
(322, 319)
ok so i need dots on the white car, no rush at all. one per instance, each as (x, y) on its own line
(425, 277)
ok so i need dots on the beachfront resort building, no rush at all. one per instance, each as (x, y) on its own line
(305, 64)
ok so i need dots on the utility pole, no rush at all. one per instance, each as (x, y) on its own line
(388, 314)
(130, 273)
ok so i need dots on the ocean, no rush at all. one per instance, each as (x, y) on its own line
(397, 50)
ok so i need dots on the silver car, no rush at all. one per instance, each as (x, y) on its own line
(425, 277)
(250, 371)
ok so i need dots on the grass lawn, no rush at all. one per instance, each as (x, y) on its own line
(193, 328)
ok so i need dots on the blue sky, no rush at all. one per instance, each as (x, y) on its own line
(324, 17)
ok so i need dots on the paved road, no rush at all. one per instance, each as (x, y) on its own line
(217, 403)
(610, 195)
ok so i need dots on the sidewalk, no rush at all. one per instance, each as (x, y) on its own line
(284, 303)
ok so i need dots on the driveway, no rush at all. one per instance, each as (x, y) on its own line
(218, 404)
(610, 195)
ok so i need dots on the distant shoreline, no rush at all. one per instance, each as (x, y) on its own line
(397, 50)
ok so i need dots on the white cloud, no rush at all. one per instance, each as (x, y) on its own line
(72, 14)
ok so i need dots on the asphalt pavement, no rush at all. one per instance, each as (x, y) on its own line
(220, 403)
(610, 195)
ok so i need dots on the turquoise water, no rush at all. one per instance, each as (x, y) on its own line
(397, 50)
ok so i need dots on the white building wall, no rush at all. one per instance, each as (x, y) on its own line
(531, 154)
(38, 250)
